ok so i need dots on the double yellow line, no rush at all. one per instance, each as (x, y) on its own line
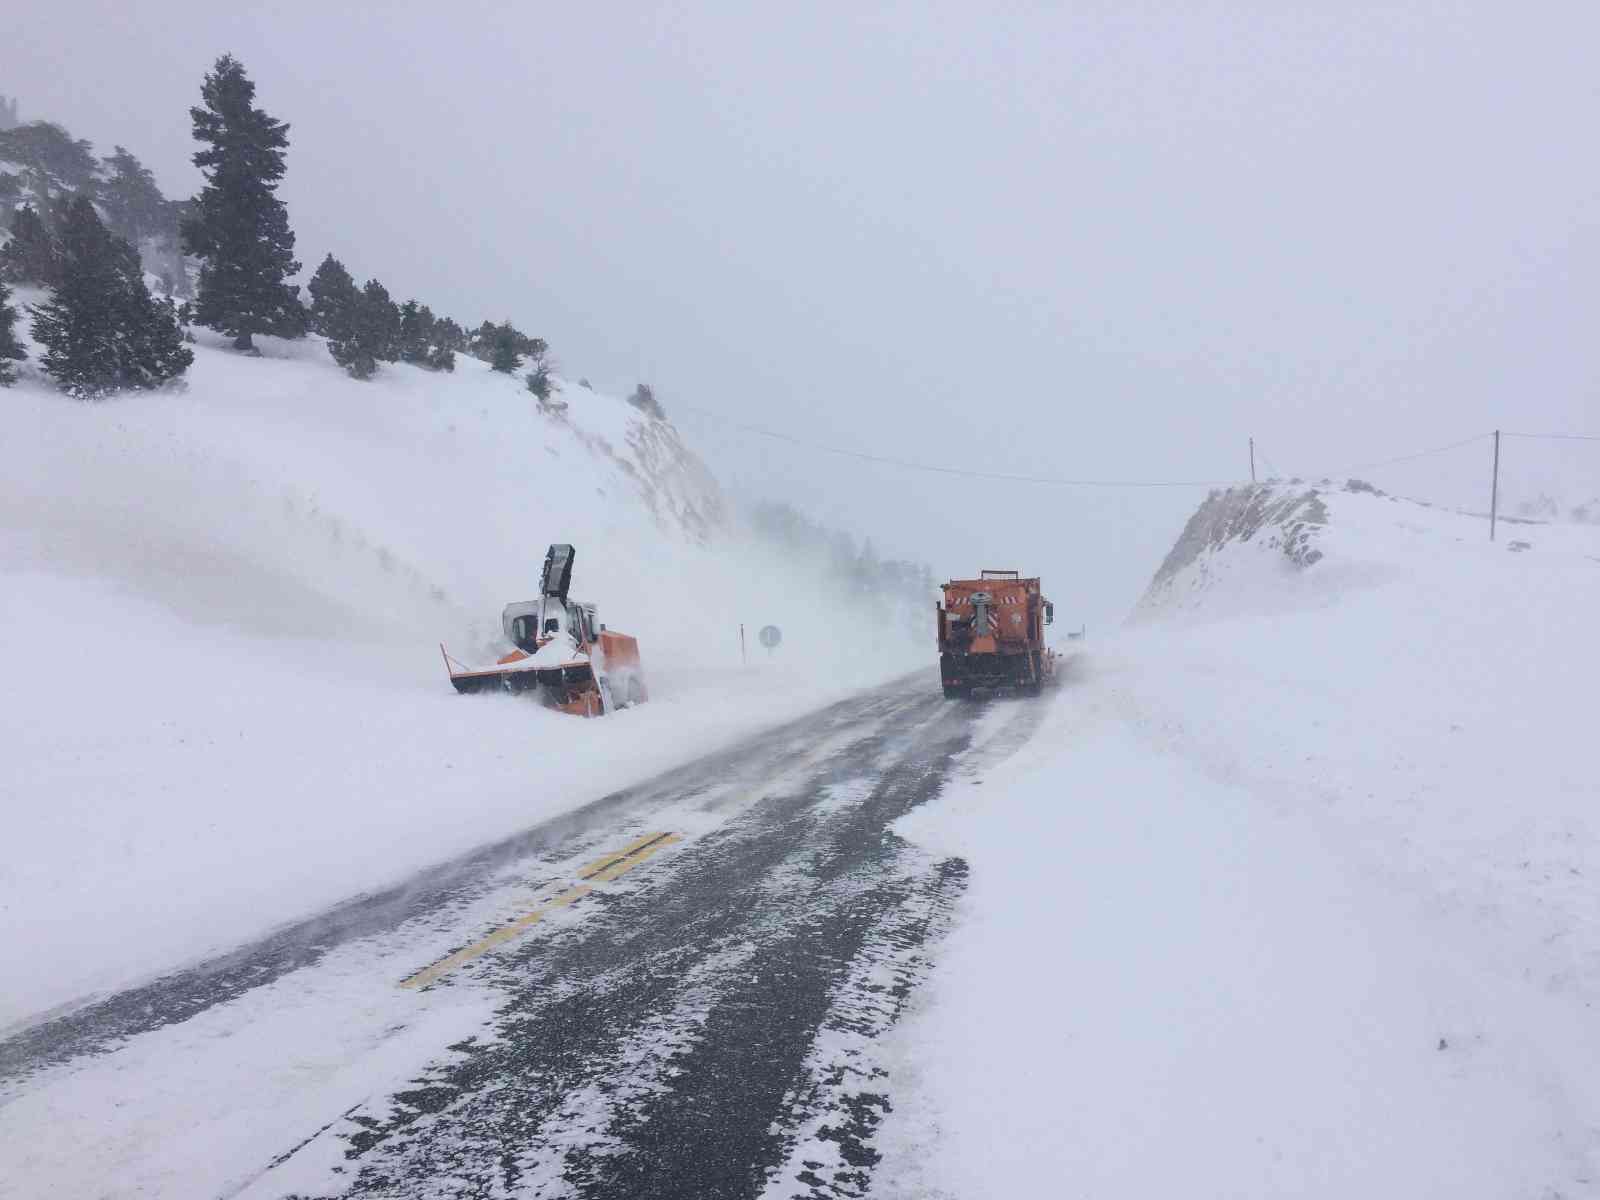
(602, 870)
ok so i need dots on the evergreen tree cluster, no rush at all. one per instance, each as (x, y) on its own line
(52, 168)
(364, 327)
(101, 329)
(77, 225)
(504, 346)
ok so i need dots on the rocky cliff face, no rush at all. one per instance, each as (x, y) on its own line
(1280, 522)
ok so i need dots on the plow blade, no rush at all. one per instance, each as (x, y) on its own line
(569, 687)
(469, 681)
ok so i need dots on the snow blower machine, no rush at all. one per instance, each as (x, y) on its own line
(562, 654)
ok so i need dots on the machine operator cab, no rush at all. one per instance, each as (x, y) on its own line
(529, 623)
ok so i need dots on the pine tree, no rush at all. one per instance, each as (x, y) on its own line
(238, 224)
(379, 322)
(644, 399)
(134, 207)
(102, 330)
(418, 328)
(10, 348)
(538, 379)
(478, 341)
(53, 161)
(447, 335)
(333, 295)
(32, 255)
(501, 346)
(336, 315)
(156, 349)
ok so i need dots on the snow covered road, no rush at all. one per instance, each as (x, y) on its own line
(692, 1014)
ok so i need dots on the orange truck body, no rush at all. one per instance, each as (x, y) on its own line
(991, 634)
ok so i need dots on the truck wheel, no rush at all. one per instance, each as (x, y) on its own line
(956, 693)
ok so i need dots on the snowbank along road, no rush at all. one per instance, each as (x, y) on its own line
(672, 992)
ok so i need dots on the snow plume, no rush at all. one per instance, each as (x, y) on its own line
(891, 596)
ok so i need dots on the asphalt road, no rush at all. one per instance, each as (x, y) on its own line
(687, 978)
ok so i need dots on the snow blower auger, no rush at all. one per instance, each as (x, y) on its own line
(563, 655)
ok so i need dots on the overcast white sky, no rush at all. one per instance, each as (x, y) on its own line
(1087, 240)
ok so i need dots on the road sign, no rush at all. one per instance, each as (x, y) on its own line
(770, 636)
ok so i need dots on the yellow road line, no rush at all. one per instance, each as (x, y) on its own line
(621, 864)
(602, 870)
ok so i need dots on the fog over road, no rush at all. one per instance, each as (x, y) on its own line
(674, 991)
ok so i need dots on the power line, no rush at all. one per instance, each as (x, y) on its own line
(1477, 437)
(963, 472)
(1057, 481)
(1556, 437)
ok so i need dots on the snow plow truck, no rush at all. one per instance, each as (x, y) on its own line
(562, 654)
(991, 635)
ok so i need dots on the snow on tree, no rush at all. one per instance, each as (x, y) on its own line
(238, 224)
(102, 329)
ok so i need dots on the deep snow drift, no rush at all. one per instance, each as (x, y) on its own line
(220, 612)
(1293, 893)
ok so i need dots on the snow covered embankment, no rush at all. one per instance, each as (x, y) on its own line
(1294, 892)
(220, 611)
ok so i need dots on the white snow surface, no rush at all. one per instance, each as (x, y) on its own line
(1293, 893)
(558, 651)
(223, 701)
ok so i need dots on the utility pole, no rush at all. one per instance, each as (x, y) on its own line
(1252, 460)
(1494, 487)
(743, 661)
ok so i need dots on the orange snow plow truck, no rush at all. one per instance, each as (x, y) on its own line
(563, 654)
(991, 635)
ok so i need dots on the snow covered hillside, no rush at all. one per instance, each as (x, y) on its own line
(1293, 893)
(220, 611)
